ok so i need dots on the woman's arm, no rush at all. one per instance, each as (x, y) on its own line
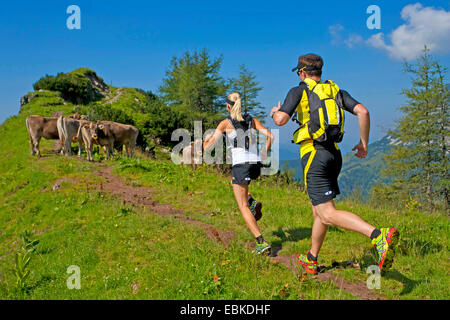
(258, 126)
(212, 138)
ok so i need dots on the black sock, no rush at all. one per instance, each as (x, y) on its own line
(375, 233)
(311, 257)
(260, 239)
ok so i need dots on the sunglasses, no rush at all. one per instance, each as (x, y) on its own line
(299, 70)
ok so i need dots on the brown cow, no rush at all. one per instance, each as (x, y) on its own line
(190, 157)
(41, 127)
(86, 134)
(108, 134)
(69, 131)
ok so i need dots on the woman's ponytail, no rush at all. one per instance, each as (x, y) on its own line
(236, 108)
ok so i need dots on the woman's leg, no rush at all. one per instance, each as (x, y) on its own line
(241, 195)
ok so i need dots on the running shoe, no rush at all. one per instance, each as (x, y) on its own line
(255, 208)
(385, 244)
(309, 265)
(263, 248)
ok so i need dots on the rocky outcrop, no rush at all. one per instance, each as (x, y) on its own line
(96, 88)
(98, 84)
(27, 98)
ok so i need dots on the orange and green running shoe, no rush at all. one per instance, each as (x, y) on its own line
(263, 248)
(385, 244)
(309, 265)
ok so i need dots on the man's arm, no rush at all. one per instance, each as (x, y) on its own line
(280, 118)
(282, 113)
(364, 127)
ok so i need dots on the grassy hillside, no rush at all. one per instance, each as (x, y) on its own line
(361, 174)
(141, 249)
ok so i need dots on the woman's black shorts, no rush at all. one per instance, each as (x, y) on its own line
(243, 173)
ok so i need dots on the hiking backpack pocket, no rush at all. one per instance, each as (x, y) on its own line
(326, 113)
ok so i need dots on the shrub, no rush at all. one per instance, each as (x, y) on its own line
(156, 121)
(107, 113)
(75, 87)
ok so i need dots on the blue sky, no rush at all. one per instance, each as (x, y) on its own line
(130, 43)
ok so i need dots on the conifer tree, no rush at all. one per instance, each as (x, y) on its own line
(418, 162)
(193, 86)
(247, 86)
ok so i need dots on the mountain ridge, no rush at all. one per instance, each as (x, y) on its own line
(357, 175)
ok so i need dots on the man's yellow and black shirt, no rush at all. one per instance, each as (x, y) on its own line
(321, 162)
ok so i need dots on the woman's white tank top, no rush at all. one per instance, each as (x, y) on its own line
(241, 155)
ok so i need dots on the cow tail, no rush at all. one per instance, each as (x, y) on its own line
(61, 130)
(79, 132)
(27, 123)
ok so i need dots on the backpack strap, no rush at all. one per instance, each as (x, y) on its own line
(295, 114)
(236, 125)
(247, 118)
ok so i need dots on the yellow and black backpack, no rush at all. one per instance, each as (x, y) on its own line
(326, 113)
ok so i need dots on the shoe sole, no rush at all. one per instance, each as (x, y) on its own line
(267, 251)
(390, 253)
(258, 212)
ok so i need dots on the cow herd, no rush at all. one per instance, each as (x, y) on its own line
(76, 128)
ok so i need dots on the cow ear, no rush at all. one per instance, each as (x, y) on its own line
(101, 127)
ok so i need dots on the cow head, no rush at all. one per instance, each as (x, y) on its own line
(98, 130)
(89, 130)
(75, 116)
(95, 130)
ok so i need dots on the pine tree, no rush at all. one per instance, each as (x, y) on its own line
(442, 115)
(193, 85)
(418, 163)
(247, 86)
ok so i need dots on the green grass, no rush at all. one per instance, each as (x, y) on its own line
(421, 267)
(129, 252)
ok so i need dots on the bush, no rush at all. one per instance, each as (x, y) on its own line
(107, 113)
(387, 196)
(156, 121)
(74, 87)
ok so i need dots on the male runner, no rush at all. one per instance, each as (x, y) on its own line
(322, 161)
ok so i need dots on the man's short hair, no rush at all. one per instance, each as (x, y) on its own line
(313, 60)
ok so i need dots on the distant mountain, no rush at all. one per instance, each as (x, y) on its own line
(356, 173)
(362, 174)
(287, 152)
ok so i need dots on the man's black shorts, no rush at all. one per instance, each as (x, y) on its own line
(321, 168)
(243, 173)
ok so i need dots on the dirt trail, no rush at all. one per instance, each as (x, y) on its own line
(143, 196)
(358, 289)
(114, 99)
